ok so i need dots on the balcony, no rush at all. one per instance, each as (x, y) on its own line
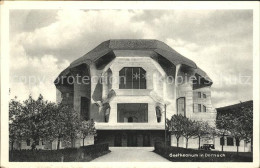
(135, 92)
(129, 126)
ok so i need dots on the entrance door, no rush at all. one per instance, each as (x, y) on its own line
(131, 139)
(118, 140)
(146, 140)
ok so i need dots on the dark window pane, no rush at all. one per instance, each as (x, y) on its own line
(230, 141)
(222, 141)
(199, 107)
(142, 79)
(237, 142)
(204, 109)
(84, 109)
(181, 106)
(28, 142)
(158, 113)
(129, 79)
(199, 94)
(204, 96)
(136, 78)
(132, 112)
(122, 78)
(132, 78)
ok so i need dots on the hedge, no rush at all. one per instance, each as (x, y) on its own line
(178, 154)
(85, 153)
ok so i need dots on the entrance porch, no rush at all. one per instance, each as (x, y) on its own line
(131, 138)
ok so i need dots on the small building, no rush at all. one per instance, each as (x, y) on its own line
(229, 142)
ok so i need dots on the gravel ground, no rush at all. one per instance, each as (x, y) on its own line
(131, 154)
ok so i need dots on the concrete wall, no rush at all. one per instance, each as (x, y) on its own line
(137, 95)
(211, 113)
(204, 101)
(23, 145)
(80, 90)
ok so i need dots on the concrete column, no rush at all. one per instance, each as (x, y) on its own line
(151, 114)
(176, 87)
(58, 96)
(113, 113)
(105, 85)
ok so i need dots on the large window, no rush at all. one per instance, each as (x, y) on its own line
(84, 108)
(132, 78)
(132, 112)
(181, 106)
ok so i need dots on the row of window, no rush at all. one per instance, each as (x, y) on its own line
(132, 78)
(202, 95)
(28, 142)
(230, 141)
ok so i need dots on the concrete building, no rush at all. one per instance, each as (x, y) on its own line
(124, 86)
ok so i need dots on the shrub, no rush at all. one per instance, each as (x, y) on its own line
(68, 154)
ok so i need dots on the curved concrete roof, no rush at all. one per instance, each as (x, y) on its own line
(135, 44)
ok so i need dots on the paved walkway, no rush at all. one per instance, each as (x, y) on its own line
(131, 154)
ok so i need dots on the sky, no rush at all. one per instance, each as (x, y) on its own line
(45, 42)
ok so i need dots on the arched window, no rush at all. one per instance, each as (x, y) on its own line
(158, 114)
(181, 106)
(132, 78)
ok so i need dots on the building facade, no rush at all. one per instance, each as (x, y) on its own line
(125, 85)
(128, 86)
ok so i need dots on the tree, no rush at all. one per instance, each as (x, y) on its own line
(241, 127)
(50, 112)
(87, 128)
(175, 126)
(222, 125)
(236, 131)
(72, 126)
(188, 129)
(247, 126)
(16, 127)
(202, 130)
(64, 124)
(33, 116)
